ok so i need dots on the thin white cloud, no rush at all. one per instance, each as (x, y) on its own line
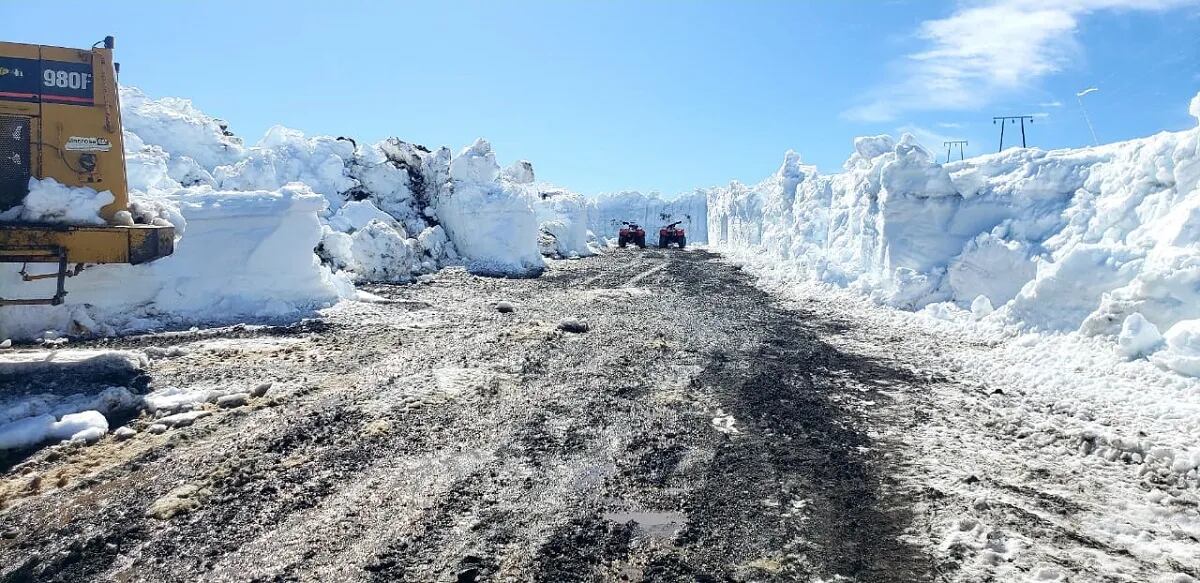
(1050, 104)
(985, 50)
(932, 140)
(949, 124)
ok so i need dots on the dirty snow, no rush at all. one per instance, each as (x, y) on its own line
(82, 362)
(1043, 452)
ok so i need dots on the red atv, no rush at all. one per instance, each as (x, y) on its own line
(631, 233)
(672, 234)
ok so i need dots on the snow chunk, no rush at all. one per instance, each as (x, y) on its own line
(1066, 291)
(183, 419)
(171, 399)
(1138, 337)
(521, 172)
(476, 164)
(1182, 352)
(981, 307)
(123, 218)
(382, 253)
(30, 431)
(562, 218)
(88, 426)
(355, 215)
(50, 201)
(490, 221)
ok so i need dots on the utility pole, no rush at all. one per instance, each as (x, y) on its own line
(1012, 119)
(951, 144)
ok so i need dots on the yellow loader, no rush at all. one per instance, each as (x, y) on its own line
(60, 118)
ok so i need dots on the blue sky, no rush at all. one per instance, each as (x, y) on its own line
(670, 95)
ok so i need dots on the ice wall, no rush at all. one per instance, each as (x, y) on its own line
(651, 211)
(1061, 240)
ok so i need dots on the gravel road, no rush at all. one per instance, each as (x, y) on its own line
(698, 430)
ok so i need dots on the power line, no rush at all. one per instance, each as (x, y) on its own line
(1012, 119)
(950, 144)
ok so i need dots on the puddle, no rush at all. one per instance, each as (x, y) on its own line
(656, 524)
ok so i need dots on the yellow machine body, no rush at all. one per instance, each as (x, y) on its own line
(60, 118)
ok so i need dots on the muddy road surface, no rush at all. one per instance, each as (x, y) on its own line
(697, 430)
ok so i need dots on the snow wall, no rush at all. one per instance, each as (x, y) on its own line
(288, 225)
(651, 211)
(1090, 240)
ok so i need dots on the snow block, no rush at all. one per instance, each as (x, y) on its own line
(490, 221)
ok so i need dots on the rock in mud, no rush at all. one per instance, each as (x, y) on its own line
(233, 400)
(573, 325)
(261, 389)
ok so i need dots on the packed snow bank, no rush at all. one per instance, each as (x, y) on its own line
(50, 201)
(1056, 241)
(284, 226)
(244, 255)
(489, 220)
(608, 211)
